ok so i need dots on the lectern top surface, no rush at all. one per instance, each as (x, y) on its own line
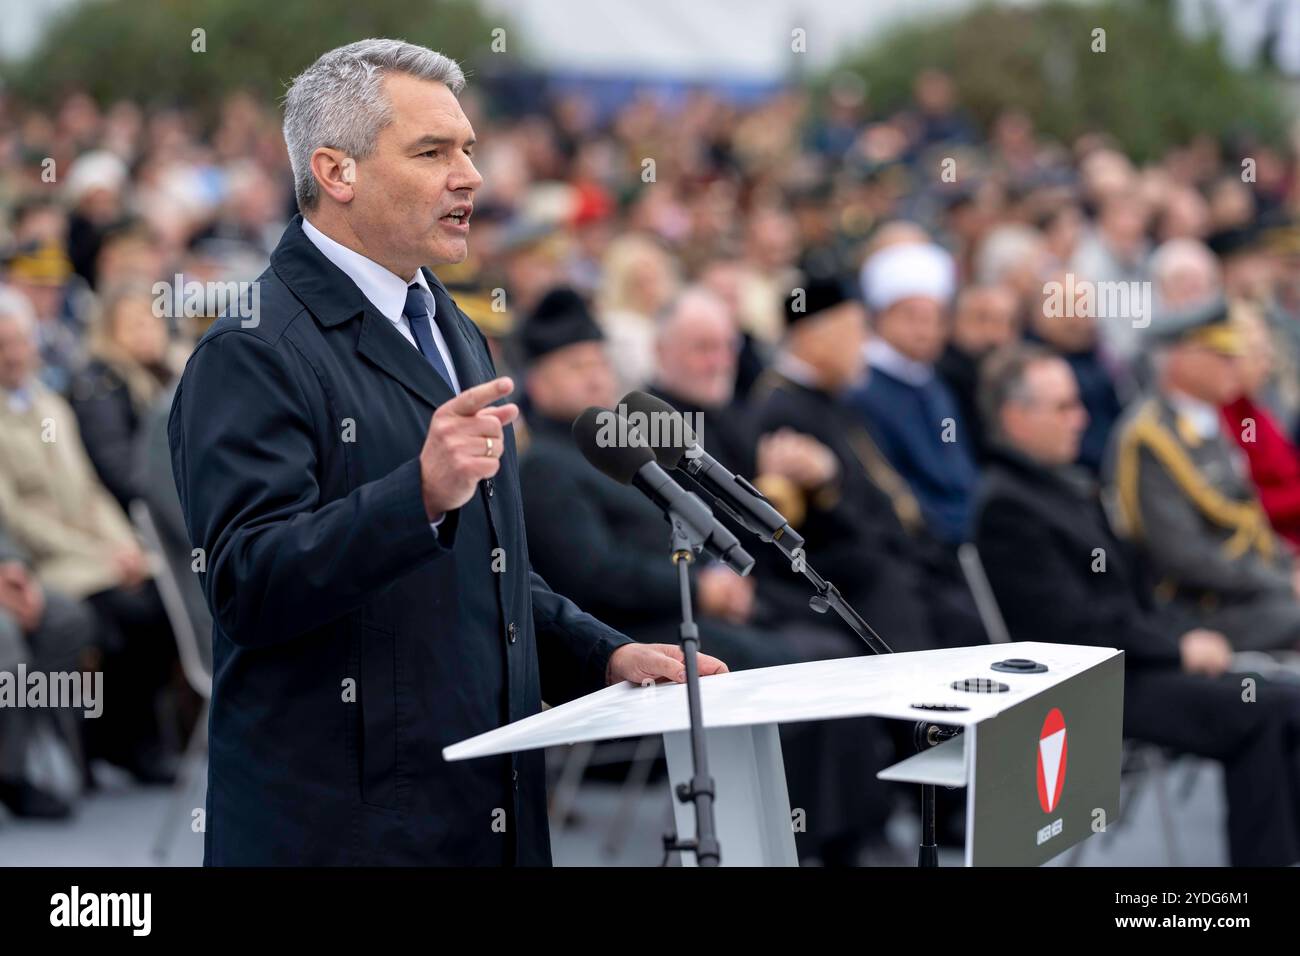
(888, 685)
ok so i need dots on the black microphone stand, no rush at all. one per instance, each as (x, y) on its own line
(687, 542)
(925, 734)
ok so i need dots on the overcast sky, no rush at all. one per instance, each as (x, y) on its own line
(737, 39)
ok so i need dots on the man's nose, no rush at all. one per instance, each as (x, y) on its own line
(465, 176)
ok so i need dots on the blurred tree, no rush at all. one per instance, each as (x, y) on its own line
(1151, 88)
(146, 49)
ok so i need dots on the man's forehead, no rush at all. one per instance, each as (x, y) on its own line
(1055, 377)
(424, 107)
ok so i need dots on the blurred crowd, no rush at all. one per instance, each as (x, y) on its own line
(934, 344)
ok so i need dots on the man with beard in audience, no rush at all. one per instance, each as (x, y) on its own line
(696, 354)
(605, 545)
(908, 408)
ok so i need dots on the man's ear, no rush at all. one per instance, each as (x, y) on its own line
(335, 172)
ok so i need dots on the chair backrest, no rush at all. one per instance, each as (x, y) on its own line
(971, 566)
(193, 661)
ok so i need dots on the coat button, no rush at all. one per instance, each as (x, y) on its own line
(491, 486)
(513, 632)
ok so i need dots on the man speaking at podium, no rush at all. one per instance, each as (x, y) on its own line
(351, 481)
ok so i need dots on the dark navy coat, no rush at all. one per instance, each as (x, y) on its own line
(350, 642)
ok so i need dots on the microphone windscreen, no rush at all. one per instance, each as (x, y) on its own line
(669, 435)
(608, 444)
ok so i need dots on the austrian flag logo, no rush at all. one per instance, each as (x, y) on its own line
(1051, 760)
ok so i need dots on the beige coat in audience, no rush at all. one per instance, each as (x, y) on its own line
(50, 497)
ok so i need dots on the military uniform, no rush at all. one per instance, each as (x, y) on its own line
(1184, 494)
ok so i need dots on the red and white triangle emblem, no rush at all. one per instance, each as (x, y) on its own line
(1051, 760)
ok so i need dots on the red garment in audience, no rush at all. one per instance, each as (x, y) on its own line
(1274, 465)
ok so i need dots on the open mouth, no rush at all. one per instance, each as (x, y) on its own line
(459, 216)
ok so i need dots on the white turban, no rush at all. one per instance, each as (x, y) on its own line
(905, 270)
(98, 169)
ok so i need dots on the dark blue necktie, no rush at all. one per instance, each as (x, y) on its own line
(417, 312)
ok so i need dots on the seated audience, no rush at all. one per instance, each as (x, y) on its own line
(864, 529)
(696, 356)
(911, 411)
(1274, 459)
(128, 369)
(43, 276)
(1185, 496)
(50, 633)
(607, 545)
(1116, 250)
(82, 545)
(1060, 574)
(1072, 333)
(983, 320)
(638, 278)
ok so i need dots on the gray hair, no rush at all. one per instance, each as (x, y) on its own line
(339, 102)
(692, 296)
(1175, 255)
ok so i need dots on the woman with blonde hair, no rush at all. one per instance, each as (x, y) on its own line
(131, 362)
(639, 277)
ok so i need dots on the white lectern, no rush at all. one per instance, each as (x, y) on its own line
(1039, 752)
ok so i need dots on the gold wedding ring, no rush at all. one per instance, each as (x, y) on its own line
(489, 447)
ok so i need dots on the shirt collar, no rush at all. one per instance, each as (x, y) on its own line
(796, 370)
(1204, 418)
(385, 290)
(20, 400)
(881, 355)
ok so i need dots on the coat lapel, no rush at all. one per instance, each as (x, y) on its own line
(466, 350)
(387, 348)
(333, 299)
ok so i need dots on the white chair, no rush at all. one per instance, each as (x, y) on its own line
(985, 601)
(198, 675)
(1140, 762)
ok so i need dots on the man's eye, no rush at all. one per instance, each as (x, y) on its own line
(430, 152)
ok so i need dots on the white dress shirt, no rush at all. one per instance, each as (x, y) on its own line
(387, 293)
(385, 290)
(880, 354)
(1204, 417)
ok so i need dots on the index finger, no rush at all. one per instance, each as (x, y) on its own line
(471, 400)
(710, 665)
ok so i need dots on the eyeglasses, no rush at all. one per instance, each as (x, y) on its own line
(1057, 408)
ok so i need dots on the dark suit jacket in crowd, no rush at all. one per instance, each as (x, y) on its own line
(295, 444)
(1038, 533)
(854, 537)
(108, 423)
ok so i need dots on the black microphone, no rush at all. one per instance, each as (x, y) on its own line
(677, 447)
(626, 457)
